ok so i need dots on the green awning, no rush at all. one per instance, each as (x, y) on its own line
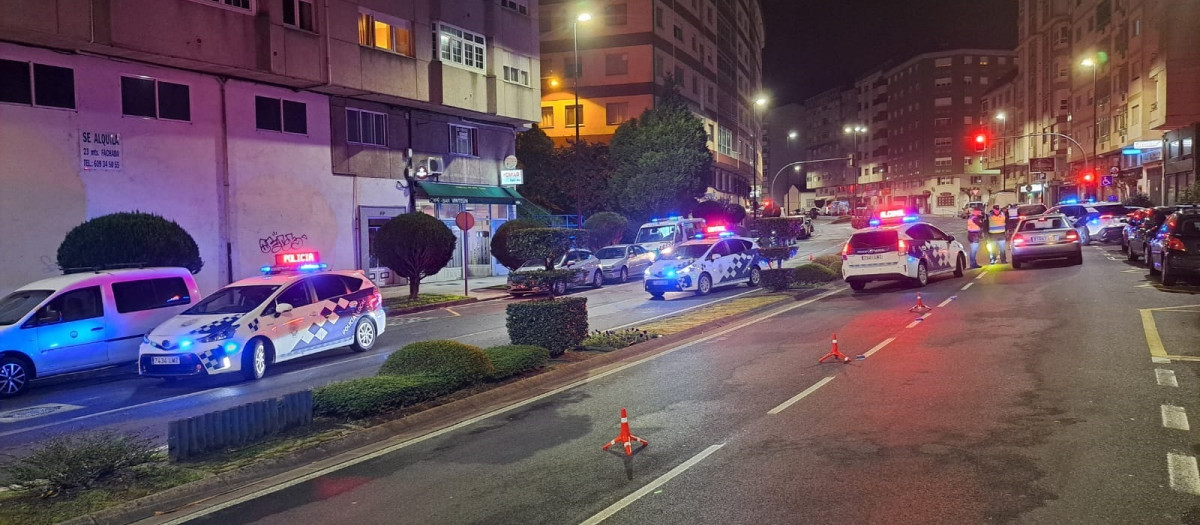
(466, 194)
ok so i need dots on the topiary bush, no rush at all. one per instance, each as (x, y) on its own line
(546, 244)
(778, 279)
(461, 363)
(813, 274)
(78, 462)
(544, 280)
(777, 254)
(501, 239)
(614, 339)
(371, 396)
(128, 239)
(554, 325)
(833, 262)
(511, 360)
(605, 228)
(415, 245)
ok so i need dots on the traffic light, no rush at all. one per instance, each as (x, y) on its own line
(1089, 177)
(980, 142)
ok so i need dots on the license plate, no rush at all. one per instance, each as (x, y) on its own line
(165, 360)
(1038, 238)
(657, 282)
(872, 257)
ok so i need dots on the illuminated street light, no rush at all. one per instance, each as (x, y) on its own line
(583, 17)
(1089, 63)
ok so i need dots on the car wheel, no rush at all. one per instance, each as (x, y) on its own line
(364, 335)
(14, 376)
(922, 274)
(960, 265)
(1131, 254)
(598, 279)
(1167, 275)
(1150, 262)
(857, 285)
(1016, 263)
(704, 285)
(624, 278)
(755, 277)
(1124, 244)
(254, 360)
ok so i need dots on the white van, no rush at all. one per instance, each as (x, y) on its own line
(660, 235)
(86, 320)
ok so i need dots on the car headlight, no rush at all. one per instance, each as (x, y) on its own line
(667, 250)
(146, 339)
(686, 269)
(647, 272)
(217, 336)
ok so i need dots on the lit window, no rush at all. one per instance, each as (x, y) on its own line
(366, 127)
(574, 116)
(516, 75)
(616, 113)
(462, 141)
(547, 117)
(298, 14)
(724, 141)
(386, 33)
(462, 48)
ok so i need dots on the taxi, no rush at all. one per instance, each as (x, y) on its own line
(898, 247)
(716, 258)
(296, 308)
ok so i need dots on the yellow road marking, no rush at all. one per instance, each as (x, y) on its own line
(1183, 358)
(1152, 339)
(456, 314)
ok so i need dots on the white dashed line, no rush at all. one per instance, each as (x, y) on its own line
(947, 301)
(1165, 377)
(981, 276)
(1175, 417)
(1159, 360)
(918, 320)
(878, 347)
(1183, 472)
(965, 286)
(628, 500)
(800, 396)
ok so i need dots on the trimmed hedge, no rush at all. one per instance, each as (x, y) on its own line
(555, 325)
(460, 363)
(510, 360)
(812, 273)
(777, 279)
(371, 396)
(833, 262)
(129, 238)
(614, 339)
(500, 241)
(78, 462)
(776, 254)
(605, 228)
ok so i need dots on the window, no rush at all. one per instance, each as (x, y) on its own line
(1002, 60)
(520, 6)
(616, 15)
(983, 80)
(678, 33)
(968, 100)
(942, 62)
(366, 127)
(616, 64)
(547, 117)
(616, 113)
(983, 61)
(941, 122)
(942, 82)
(273, 114)
(37, 84)
(385, 32)
(148, 294)
(516, 75)
(976, 179)
(235, 5)
(942, 141)
(462, 48)
(574, 116)
(941, 102)
(298, 14)
(968, 120)
(942, 161)
(968, 60)
(295, 295)
(658, 16)
(724, 141)
(147, 97)
(462, 141)
(75, 305)
(328, 286)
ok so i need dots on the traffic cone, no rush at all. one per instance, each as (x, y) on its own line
(834, 353)
(625, 437)
(920, 307)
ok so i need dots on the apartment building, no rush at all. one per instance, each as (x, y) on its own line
(604, 62)
(823, 123)
(261, 125)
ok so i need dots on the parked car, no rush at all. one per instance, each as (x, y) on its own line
(1133, 220)
(1095, 221)
(1175, 250)
(973, 205)
(87, 320)
(590, 273)
(1148, 226)
(620, 261)
(1049, 236)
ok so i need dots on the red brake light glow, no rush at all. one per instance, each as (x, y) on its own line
(902, 246)
(846, 250)
(1072, 236)
(1018, 240)
(1176, 245)
(1106, 216)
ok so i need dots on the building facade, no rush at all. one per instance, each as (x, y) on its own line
(260, 126)
(628, 51)
(823, 123)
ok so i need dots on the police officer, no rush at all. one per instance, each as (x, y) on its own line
(996, 222)
(974, 233)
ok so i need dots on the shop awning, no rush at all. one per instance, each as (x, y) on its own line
(439, 193)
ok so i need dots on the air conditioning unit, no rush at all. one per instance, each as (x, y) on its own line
(433, 165)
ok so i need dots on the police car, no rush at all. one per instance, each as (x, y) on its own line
(295, 308)
(717, 259)
(897, 247)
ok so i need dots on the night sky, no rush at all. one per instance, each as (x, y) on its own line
(816, 45)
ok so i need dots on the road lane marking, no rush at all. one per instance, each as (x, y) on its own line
(660, 481)
(965, 286)
(783, 406)
(341, 462)
(1165, 377)
(1132, 271)
(1159, 360)
(1174, 417)
(981, 275)
(1184, 475)
(947, 301)
(918, 320)
(878, 347)
(1152, 338)
(456, 314)
(644, 321)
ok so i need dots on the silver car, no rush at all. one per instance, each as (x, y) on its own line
(620, 261)
(1049, 236)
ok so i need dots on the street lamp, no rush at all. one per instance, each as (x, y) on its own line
(760, 104)
(854, 131)
(583, 17)
(1090, 63)
(1003, 150)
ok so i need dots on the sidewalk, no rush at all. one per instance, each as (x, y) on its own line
(479, 287)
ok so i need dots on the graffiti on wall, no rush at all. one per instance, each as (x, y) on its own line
(278, 242)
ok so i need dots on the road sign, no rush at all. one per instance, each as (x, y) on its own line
(512, 177)
(1041, 164)
(1106, 180)
(464, 220)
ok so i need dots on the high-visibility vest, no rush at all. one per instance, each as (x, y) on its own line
(996, 223)
(972, 226)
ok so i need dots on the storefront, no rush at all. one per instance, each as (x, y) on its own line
(1179, 166)
(491, 206)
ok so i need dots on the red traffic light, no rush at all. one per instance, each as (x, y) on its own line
(980, 143)
(1089, 177)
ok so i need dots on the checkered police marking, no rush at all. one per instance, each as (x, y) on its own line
(219, 325)
(934, 254)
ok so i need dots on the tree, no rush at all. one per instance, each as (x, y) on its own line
(581, 177)
(544, 244)
(500, 241)
(1140, 200)
(415, 246)
(711, 211)
(605, 228)
(735, 213)
(536, 154)
(129, 239)
(661, 159)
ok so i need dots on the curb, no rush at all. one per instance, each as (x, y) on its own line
(164, 504)
(431, 306)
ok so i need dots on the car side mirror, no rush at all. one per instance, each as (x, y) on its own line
(950, 238)
(282, 308)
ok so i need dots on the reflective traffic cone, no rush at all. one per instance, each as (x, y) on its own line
(834, 353)
(625, 437)
(920, 307)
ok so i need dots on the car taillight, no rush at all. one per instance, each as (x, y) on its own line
(1106, 217)
(902, 246)
(374, 300)
(845, 250)
(1072, 236)
(1176, 245)
(1018, 240)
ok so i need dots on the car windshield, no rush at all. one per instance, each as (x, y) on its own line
(19, 303)
(1189, 227)
(665, 232)
(1048, 223)
(233, 300)
(1035, 209)
(688, 251)
(610, 253)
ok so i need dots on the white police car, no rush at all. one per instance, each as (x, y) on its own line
(702, 264)
(898, 247)
(294, 309)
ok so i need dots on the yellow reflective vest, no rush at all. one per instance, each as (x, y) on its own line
(996, 223)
